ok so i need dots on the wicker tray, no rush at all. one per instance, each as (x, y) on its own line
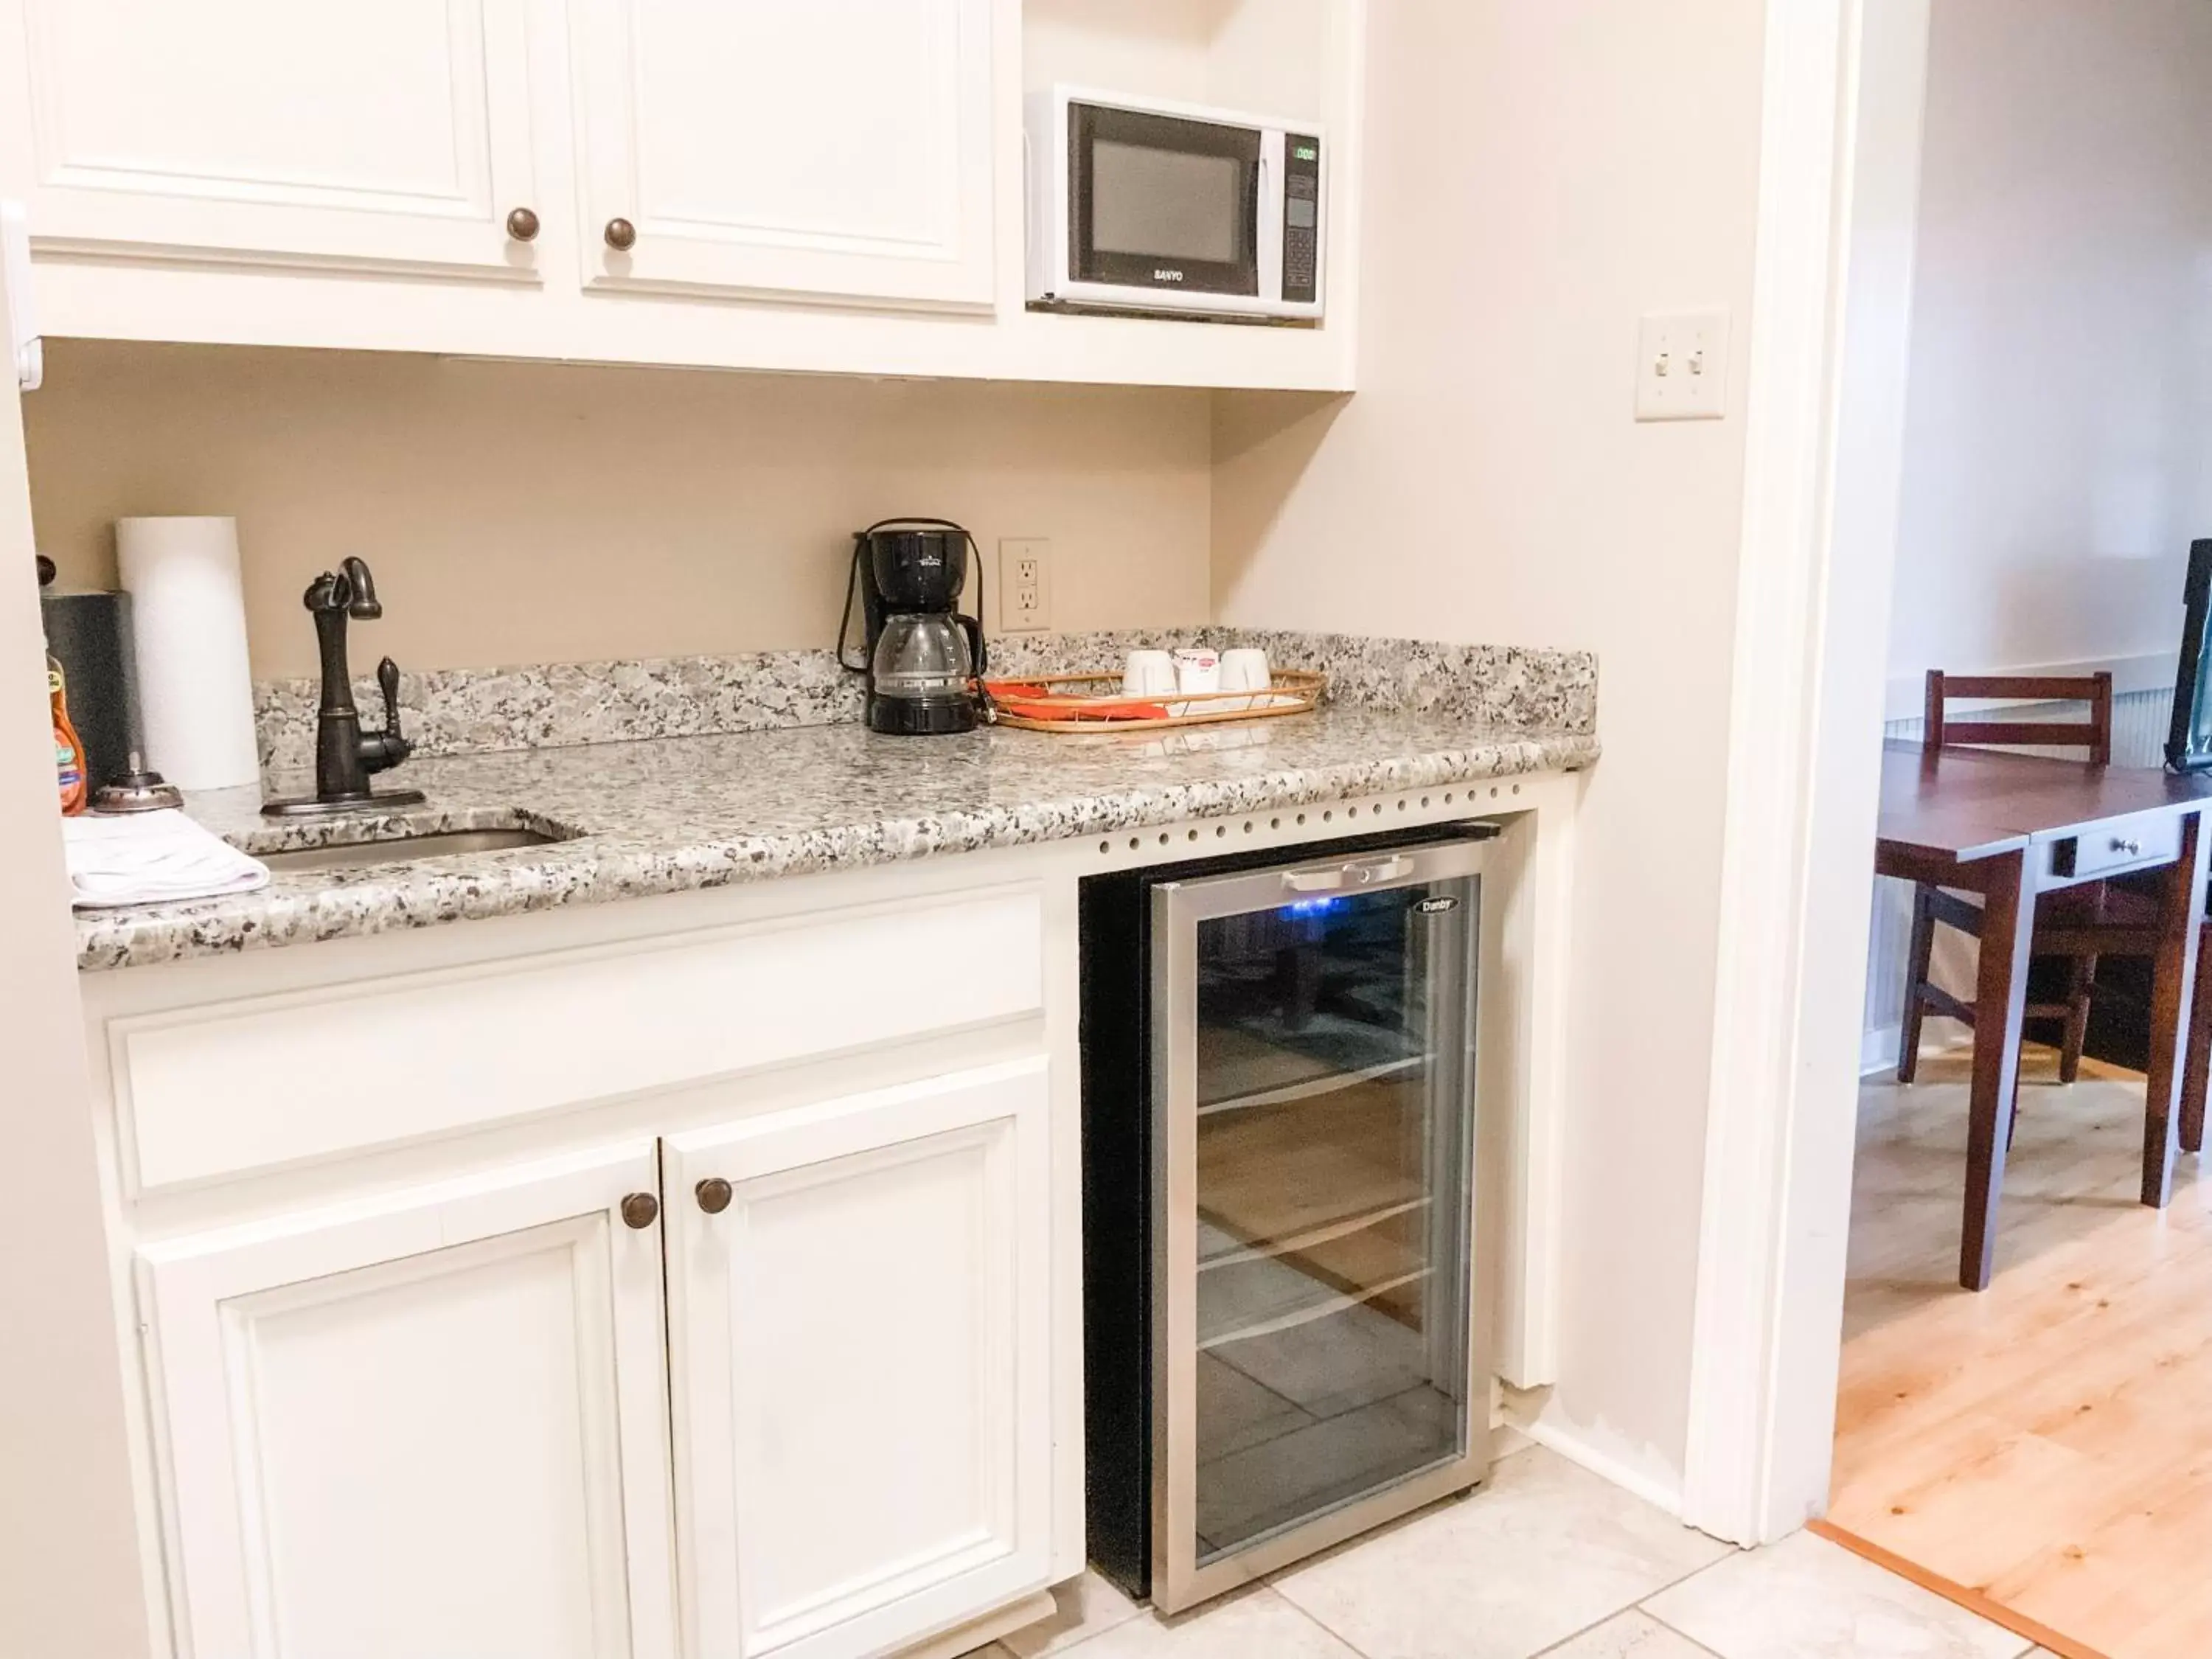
(1096, 703)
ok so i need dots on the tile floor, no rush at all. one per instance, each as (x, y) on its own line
(1548, 1560)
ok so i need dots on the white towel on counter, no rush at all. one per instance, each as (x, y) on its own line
(152, 857)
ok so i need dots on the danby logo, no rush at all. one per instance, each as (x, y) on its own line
(1437, 906)
(1167, 274)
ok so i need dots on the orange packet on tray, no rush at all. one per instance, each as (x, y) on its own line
(1038, 702)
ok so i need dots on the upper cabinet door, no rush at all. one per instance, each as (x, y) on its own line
(837, 147)
(859, 1334)
(432, 1423)
(387, 136)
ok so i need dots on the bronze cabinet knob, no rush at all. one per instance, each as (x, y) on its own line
(622, 235)
(641, 1210)
(714, 1195)
(522, 225)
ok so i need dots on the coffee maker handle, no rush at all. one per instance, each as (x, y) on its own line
(845, 616)
(974, 630)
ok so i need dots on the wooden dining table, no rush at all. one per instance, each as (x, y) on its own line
(2013, 827)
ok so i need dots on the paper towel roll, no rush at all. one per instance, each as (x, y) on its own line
(188, 608)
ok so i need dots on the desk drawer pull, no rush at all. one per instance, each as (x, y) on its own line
(2128, 846)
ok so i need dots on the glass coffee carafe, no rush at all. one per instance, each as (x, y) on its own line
(922, 658)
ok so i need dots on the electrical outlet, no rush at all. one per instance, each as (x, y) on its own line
(1024, 585)
(1681, 369)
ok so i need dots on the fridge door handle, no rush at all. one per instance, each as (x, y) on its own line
(1361, 874)
(1380, 870)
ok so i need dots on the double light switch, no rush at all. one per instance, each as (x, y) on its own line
(1682, 365)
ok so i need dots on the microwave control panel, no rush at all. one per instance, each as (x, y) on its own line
(1301, 216)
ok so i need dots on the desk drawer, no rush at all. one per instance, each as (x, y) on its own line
(2141, 842)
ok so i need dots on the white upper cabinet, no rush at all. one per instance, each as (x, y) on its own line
(433, 1423)
(860, 1341)
(810, 186)
(391, 135)
(836, 148)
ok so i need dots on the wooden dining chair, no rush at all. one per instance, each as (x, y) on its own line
(2075, 907)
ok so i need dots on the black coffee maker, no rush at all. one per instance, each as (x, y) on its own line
(923, 659)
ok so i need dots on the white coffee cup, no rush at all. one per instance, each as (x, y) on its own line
(1197, 669)
(1245, 669)
(1148, 674)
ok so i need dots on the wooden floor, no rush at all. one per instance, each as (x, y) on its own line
(2048, 1443)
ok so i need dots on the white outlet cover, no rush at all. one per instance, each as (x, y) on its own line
(1682, 366)
(1024, 607)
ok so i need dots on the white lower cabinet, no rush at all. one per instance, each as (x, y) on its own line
(437, 1423)
(427, 1424)
(859, 1331)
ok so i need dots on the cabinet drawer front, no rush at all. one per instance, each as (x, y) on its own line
(2142, 842)
(289, 1078)
(860, 1338)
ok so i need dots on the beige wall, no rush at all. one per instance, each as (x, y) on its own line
(1537, 176)
(552, 513)
(2061, 383)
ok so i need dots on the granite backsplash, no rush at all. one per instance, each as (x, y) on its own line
(463, 711)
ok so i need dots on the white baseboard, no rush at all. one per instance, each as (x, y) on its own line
(1878, 1049)
(1662, 1493)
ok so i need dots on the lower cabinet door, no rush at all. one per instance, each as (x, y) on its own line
(433, 1423)
(860, 1332)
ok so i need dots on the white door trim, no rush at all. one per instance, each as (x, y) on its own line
(1838, 143)
(65, 1438)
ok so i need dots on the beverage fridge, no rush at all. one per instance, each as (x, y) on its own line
(1284, 1329)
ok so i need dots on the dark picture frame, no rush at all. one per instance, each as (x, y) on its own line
(2189, 737)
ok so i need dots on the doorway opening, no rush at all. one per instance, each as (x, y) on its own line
(2040, 1447)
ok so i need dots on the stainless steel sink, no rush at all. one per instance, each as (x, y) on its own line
(404, 849)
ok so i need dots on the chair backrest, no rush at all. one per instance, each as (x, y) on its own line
(2095, 690)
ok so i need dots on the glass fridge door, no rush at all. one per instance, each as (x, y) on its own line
(1317, 1103)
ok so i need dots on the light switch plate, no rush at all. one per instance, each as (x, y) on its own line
(1682, 366)
(1024, 585)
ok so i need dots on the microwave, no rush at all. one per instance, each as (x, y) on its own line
(1136, 204)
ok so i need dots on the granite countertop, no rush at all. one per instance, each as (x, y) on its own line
(668, 815)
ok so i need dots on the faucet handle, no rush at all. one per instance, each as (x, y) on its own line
(387, 681)
(381, 751)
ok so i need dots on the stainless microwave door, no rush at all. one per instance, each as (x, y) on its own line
(1319, 1358)
(1160, 202)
